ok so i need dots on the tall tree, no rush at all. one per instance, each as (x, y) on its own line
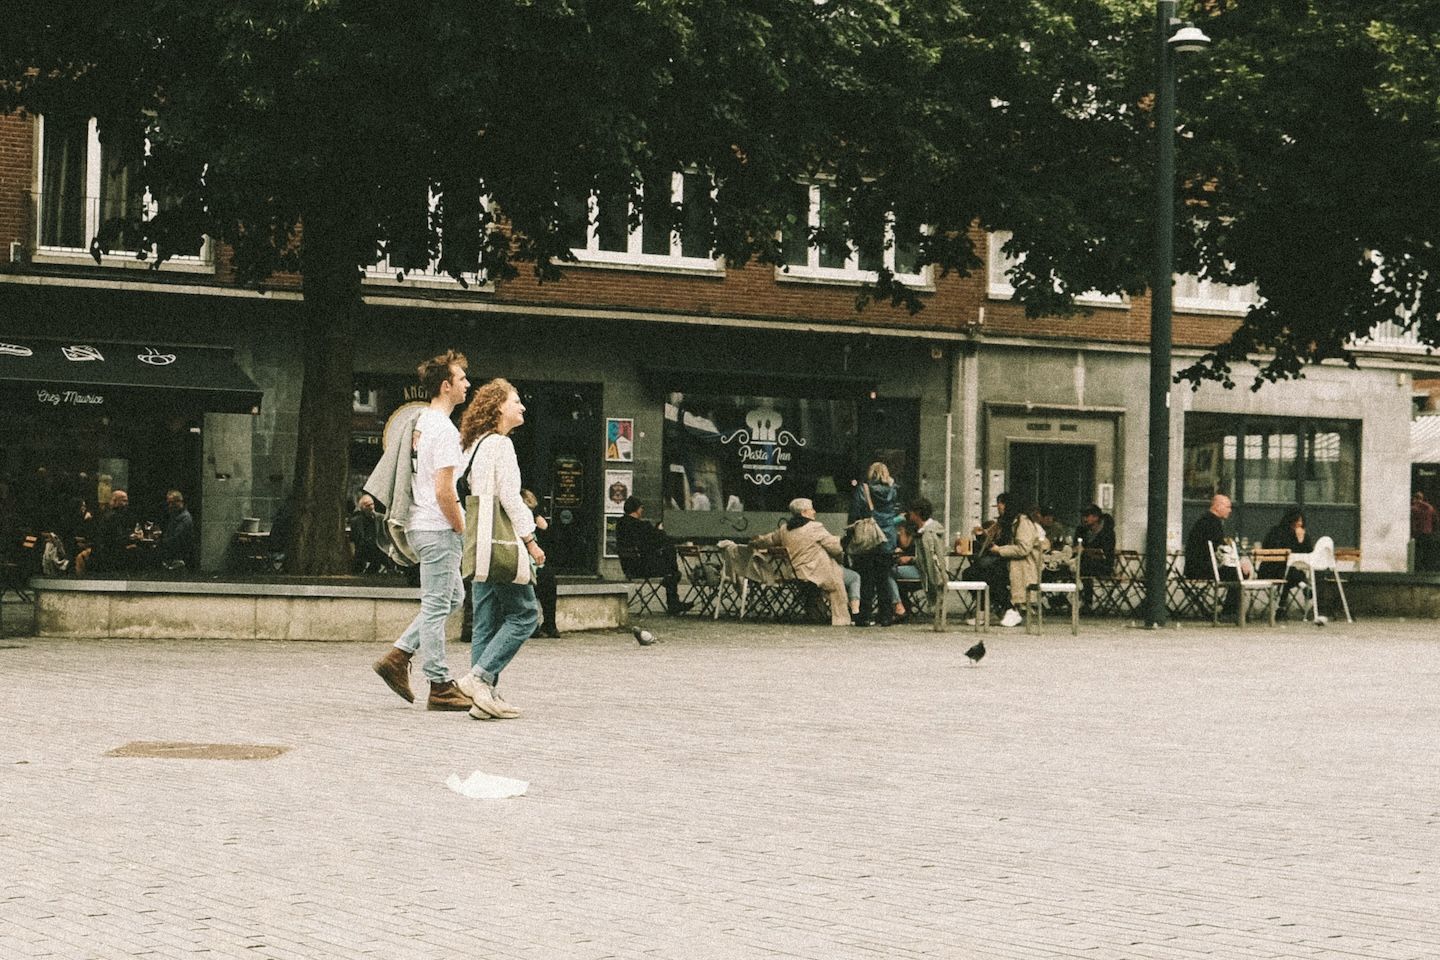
(1313, 143)
(311, 136)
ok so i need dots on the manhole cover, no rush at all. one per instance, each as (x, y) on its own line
(168, 750)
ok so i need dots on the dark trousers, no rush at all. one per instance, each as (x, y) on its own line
(874, 570)
(996, 572)
(545, 593)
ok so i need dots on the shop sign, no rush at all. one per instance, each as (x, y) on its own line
(761, 445)
(71, 398)
(569, 483)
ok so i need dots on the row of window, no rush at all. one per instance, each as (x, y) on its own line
(83, 186)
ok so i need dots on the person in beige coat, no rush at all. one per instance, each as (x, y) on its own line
(1024, 549)
(814, 553)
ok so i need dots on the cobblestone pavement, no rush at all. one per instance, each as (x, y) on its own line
(737, 791)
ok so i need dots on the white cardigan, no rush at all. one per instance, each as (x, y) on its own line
(497, 453)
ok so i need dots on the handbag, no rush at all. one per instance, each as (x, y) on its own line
(866, 537)
(492, 552)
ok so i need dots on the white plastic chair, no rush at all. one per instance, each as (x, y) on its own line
(979, 591)
(1322, 558)
(1246, 588)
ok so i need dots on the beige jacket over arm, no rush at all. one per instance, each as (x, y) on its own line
(1024, 553)
(813, 553)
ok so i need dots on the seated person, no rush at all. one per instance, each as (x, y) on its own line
(1011, 561)
(645, 551)
(925, 559)
(1288, 534)
(1055, 531)
(1208, 534)
(55, 562)
(365, 536)
(176, 549)
(815, 555)
(114, 549)
(1096, 539)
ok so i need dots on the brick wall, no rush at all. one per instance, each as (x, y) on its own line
(17, 153)
(752, 292)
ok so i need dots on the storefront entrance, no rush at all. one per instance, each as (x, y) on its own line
(558, 450)
(1061, 475)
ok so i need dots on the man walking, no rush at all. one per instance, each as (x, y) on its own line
(434, 528)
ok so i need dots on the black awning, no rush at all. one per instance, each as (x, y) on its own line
(98, 374)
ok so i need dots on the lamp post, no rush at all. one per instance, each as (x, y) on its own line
(1172, 37)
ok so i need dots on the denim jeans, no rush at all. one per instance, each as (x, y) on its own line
(505, 617)
(441, 594)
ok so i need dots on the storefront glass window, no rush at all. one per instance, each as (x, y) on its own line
(754, 453)
(1266, 464)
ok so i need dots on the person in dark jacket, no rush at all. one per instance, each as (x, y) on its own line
(545, 586)
(115, 547)
(1096, 537)
(1288, 534)
(645, 551)
(365, 536)
(176, 549)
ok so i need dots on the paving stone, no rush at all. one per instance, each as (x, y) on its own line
(739, 790)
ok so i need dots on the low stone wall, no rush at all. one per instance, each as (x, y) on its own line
(272, 611)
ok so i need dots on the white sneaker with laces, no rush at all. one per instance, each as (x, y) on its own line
(1011, 618)
(469, 684)
(488, 706)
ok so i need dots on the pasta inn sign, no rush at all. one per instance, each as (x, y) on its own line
(761, 446)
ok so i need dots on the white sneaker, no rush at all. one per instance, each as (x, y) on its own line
(1012, 618)
(469, 684)
(488, 706)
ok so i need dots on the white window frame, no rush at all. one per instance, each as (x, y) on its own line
(203, 262)
(381, 273)
(998, 265)
(812, 271)
(1194, 294)
(634, 255)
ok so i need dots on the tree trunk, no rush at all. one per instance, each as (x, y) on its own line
(322, 461)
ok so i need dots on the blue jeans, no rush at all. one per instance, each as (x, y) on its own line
(505, 617)
(441, 594)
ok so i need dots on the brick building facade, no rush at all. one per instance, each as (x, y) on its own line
(701, 359)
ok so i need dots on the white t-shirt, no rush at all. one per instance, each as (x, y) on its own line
(434, 445)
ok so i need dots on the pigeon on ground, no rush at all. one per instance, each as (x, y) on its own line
(976, 652)
(644, 637)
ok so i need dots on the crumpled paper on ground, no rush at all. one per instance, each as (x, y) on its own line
(486, 786)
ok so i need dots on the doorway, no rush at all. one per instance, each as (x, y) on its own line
(1059, 474)
(559, 453)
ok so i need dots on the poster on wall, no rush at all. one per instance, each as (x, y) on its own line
(619, 440)
(618, 485)
(611, 525)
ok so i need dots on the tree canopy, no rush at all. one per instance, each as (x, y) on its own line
(321, 135)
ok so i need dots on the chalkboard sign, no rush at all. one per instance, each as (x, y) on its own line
(569, 483)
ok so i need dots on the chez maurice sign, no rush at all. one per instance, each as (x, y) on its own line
(94, 375)
(760, 445)
(51, 394)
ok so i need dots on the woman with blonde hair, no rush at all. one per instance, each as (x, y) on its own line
(505, 613)
(878, 497)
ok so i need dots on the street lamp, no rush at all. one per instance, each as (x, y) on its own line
(1173, 37)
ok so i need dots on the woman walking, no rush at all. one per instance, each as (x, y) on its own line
(505, 613)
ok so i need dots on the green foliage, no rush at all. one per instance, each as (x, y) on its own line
(1309, 137)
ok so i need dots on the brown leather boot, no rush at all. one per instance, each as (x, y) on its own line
(394, 669)
(447, 696)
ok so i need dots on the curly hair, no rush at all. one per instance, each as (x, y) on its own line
(484, 411)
